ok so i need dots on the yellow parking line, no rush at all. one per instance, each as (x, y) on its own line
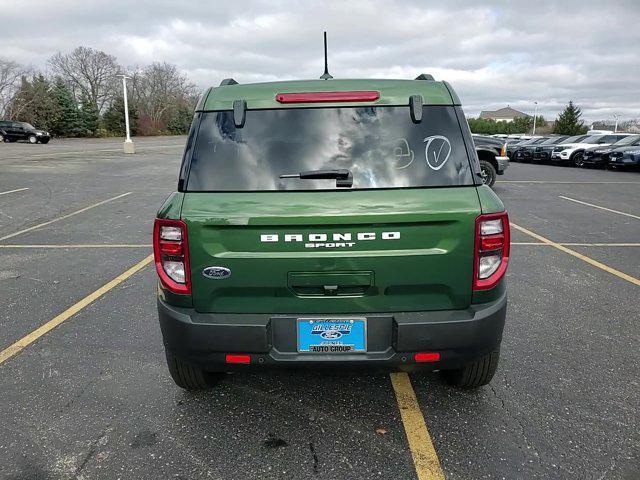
(582, 257)
(98, 245)
(15, 234)
(598, 206)
(14, 191)
(27, 340)
(425, 458)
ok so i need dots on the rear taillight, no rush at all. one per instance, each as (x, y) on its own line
(503, 150)
(491, 250)
(171, 254)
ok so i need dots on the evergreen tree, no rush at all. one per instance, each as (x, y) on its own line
(68, 121)
(569, 123)
(180, 121)
(540, 121)
(520, 125)
(113, 118)
(33, 103)
(90, 117)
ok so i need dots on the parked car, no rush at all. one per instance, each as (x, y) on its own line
(599, 132)
(599, 156)
(541, 152)
(571, 153)
(492, 155)
(626, 156)
(329, 227)
(11, 131)
(512, 149)
(525, 152)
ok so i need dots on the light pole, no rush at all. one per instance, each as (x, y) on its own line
(535, 117)
(616, 116)
(129, 147)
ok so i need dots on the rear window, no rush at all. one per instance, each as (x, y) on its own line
(380, 146)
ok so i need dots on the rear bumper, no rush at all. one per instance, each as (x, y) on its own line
(503, 164)
(392, 338)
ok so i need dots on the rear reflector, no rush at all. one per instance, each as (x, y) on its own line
(490, 243)
(171, 248)
(230, 358)
(427, 357)
(327, 97)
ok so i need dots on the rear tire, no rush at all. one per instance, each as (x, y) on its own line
(474, 374)
(488, 173)
(190, 377)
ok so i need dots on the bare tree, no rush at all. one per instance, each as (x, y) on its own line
(89, 73)
(10, 76)
(160, 88)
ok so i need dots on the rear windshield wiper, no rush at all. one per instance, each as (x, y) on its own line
(343, 177)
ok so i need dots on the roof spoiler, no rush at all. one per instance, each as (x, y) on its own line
(425, 76)
(228, 81)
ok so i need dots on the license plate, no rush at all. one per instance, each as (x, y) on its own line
(328, 335)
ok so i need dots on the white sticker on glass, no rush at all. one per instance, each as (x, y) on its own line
(403, 154)
(437, 151)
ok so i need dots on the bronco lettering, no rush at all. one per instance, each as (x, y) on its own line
(325, 240)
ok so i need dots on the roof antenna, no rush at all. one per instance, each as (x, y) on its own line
(325, 75)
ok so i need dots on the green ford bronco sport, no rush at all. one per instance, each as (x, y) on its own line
(331, 223)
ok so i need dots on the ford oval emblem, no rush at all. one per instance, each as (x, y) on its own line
(331, 334)
(216, 273)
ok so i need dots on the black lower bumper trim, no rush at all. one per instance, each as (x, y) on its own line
(392, 338)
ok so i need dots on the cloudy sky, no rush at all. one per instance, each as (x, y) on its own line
(498, 53)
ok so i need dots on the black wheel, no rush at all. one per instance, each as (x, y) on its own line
(474, 374)
(32, 139)
(45, 141)
(488, 173)
(190, 377)
(577, 160)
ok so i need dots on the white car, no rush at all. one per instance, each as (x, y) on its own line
(599, 132)
(571, 153)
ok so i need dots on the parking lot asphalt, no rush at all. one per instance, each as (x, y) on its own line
(91, 398)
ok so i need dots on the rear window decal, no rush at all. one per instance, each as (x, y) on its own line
(403, 153)
(437, 151)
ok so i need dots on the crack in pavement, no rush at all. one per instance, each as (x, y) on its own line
(523, 432)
